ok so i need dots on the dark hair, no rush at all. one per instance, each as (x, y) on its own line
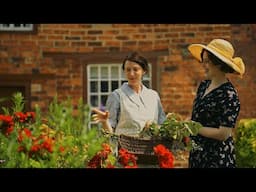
(137, 58)
(224, 67)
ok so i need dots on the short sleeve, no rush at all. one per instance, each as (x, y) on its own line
(161, 113)
(113, 106)
(231, 108)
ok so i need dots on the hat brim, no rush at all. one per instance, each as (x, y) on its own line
(196, 50)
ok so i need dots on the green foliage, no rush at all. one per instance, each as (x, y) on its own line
(245, 143)
(173, 128)
(178, 129)
(18, 101)
(61, 117)
(67, 141)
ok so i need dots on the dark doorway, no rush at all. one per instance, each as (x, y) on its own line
(7, 89)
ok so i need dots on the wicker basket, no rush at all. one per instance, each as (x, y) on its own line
(142, 147)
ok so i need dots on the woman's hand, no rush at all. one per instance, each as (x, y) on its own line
(99, 116)
(102, 117)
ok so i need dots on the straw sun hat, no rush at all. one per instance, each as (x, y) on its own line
(221, 49)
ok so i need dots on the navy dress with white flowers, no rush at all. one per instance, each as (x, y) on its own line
(220, 107)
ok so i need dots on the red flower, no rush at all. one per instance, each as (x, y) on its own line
(127, 159)
(98, 160)
(165, 157)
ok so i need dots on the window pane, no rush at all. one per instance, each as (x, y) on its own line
(114, 72)
(146, 75)
(104, 86)
(94, 100)
(94, 73)
(104, 72)
(122, 74)
(123, 81)
(146, 83)
(94, 87)
(114, 85)
(103, 101)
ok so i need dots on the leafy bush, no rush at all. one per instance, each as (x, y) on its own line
(57, 140)
(245, 143)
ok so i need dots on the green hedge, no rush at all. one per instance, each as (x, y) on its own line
(245, 143)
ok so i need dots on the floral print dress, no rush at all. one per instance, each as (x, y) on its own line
(220, 107)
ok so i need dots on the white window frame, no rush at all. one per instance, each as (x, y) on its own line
(16, 27)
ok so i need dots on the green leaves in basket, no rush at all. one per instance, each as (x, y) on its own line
(173, 128)
(150, 130)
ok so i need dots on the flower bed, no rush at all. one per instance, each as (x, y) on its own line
(56, 140)
(59, 139)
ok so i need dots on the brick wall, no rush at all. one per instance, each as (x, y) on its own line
(180, 73)
(244, 40)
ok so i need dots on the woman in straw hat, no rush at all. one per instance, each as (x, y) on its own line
(216, 105)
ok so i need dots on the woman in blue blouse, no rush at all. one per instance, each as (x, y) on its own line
(132, 106)
(216, 106)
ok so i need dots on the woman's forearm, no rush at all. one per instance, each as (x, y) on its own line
(221, 133)
(107, 127)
